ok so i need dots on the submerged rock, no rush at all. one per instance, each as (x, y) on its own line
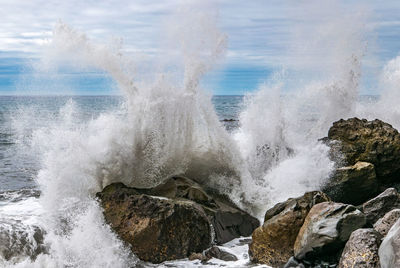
(377, 207)
(353, 184)
(376, 142)
(172, 220)
(361, 250)
(384, 224)
(273, 242)
(326, 229)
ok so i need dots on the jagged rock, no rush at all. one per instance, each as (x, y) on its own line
(374, 141)
(273, 242)
(216, 252)
(389, 251)
(172, 220)
(384, 224)
(353, 184)
(377, 207)
(326, 229)
(361, 250)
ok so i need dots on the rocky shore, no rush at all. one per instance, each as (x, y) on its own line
(353, 221)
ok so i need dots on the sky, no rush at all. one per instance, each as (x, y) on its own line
(301, 37)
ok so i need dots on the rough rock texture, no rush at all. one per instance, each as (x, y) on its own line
(157, 229)
(216, 252)
(326, 229)
(172, 220)
(273, 242)
(213, 252)
(389, 251)
(384, 224)
(361, 250)
(377, 207)
(353, 184)
(227, 219)
(374, 141)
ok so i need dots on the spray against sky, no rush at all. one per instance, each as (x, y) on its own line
(261, 37)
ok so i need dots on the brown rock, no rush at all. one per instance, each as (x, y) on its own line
(353, 184)
(156, 229)
(374, 141)
(174, 219)
(273, 242)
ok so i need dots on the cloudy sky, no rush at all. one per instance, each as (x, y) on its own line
(264, 36)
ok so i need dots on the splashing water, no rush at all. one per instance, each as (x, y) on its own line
(168, 126)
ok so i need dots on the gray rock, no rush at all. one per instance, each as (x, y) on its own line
(352, 184)
(377, 207)
(384, 224)
(361, 250)
(216, 252)
(389, 251)
(326, 229)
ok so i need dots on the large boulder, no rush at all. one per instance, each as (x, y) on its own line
(273, 242)
(157, 229)
(353, 184)
(172, 220)
(377, 207)
(384, 224)
(389, 251)
(374, 141)
(326, 229)
(227, 219)
(361, 250)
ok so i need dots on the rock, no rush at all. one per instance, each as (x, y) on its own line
(156, 229)
(353, 184)
(216, 252)
(374, 141)
(198, 256)
(227, 219)
(361, 250)
(326, 229)
(293, 263)
(389, 251)
(172, 220)
(273, 242)
(384, 224)
(377, 207)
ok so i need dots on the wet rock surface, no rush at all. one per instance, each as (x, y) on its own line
(361, 250)
(377, 207)
(326, 229)
(172, 220)
(273, 242)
